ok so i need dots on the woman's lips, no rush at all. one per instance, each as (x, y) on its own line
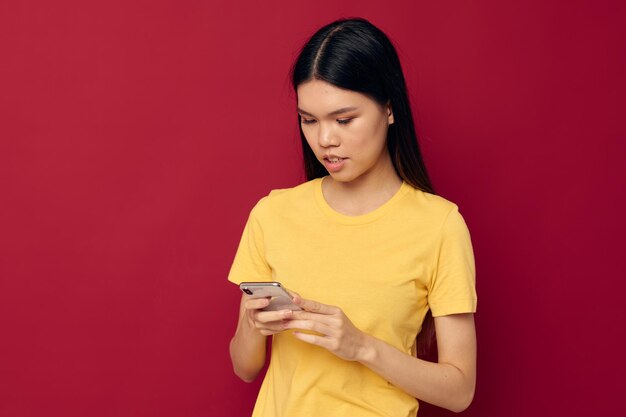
(334, 164)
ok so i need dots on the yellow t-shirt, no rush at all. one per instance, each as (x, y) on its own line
(385, 269)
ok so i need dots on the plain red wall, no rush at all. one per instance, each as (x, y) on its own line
(137, 135)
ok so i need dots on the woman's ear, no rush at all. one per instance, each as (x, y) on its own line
(390, 119)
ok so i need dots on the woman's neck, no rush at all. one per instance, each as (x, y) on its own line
(364, 194)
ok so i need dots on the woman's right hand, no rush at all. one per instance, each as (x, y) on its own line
(266, 323)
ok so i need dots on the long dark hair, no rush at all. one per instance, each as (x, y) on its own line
(355, 55)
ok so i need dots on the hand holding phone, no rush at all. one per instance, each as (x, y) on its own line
(278, 296)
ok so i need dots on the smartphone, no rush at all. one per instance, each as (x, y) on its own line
(279, 297)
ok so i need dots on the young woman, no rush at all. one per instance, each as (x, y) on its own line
(366, 247)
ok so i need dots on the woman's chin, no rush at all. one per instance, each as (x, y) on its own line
(343, 177)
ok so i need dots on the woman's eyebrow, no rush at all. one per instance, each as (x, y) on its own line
(332, 113)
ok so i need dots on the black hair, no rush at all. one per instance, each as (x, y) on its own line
(353, 54)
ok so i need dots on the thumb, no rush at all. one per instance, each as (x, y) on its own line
(294, 295)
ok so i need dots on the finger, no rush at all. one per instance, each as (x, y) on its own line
(323, 341)
(265, 332)
(293, 294)
(256, 303)
(322, 318)
(270, 316)
(314, 306)
(310, 325)
(274, 327)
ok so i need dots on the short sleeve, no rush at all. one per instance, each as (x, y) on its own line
(250, 262)
(453, 285)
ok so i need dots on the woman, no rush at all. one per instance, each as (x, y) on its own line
(366, 246)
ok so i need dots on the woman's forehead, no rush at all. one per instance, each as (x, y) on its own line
(321, 97)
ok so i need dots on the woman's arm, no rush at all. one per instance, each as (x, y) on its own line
(248, 345)
(449, 383)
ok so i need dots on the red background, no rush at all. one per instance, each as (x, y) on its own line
(137, 135)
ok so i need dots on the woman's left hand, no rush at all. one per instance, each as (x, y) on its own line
(337, 333)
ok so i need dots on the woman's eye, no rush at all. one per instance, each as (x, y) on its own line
(340, 121)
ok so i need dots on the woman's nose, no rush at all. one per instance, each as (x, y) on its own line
(327, 136)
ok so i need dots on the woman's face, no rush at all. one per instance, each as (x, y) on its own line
(346, 130)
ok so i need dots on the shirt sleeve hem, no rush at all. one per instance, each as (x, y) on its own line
(462, 306)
